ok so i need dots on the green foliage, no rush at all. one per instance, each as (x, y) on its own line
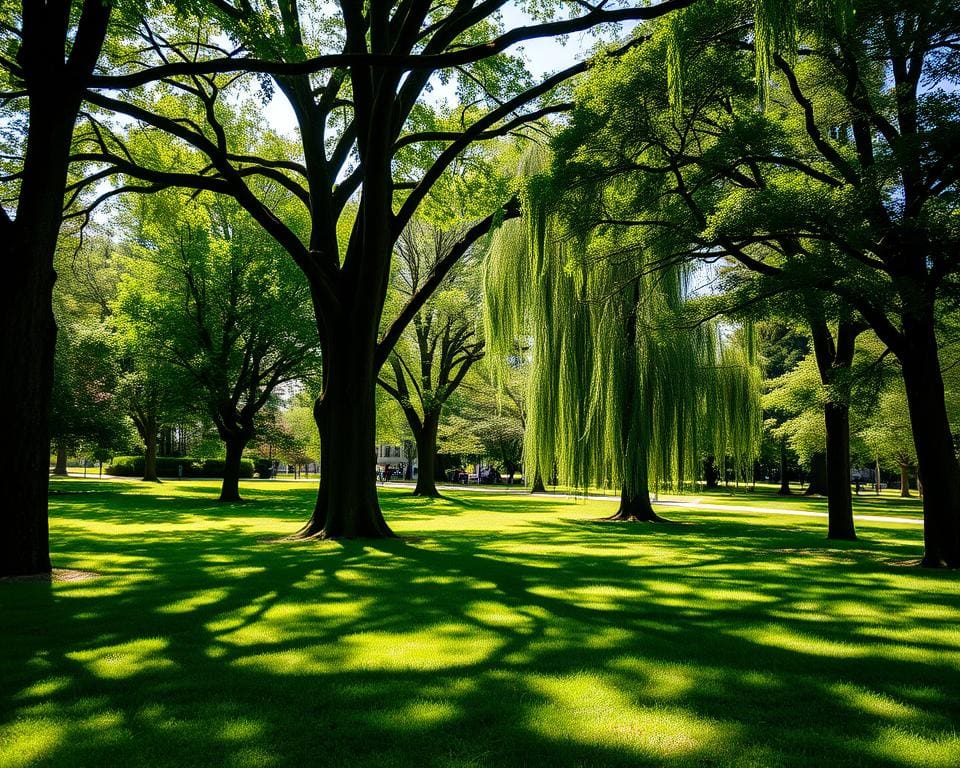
(799, 395)
(205, 290)
(443, 340)
(624, 390)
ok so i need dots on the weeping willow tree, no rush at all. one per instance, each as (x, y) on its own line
(625, 391)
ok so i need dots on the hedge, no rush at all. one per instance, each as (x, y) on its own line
(169, 466)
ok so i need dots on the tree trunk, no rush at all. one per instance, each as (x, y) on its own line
(784, 480)
(230, 489)
(537, 486)
(636, 507)
(839, 503)
(939, 471)
(711, 475)
(831, 475)
(27, 247)
(905, 481)
(426, 438)
(817, 482)
(347, 504)
(150, 454)
(26, 350)
(60, 468)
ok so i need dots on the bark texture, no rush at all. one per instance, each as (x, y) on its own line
(230, 488)
(427, 456)
(939, 471)
(54, 82)
(347, 505)
(636, 507)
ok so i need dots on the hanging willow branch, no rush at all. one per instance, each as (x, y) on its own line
(616, 398)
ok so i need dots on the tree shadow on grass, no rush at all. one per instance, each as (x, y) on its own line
(527, 638)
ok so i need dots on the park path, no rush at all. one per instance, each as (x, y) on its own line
(695, 503)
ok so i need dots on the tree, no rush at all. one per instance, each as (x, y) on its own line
(150, 390)
(360, 125)
(49, 53)
(845, 184)
(888, 434)
(623, 391)
(781, 347)
(208, 291)
(442, 344)
(84, 408)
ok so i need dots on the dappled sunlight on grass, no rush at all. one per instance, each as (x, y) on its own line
(592, 709)
(500, 630)
(778, 636)
(29, 739)
(137, 657)
(905, 746)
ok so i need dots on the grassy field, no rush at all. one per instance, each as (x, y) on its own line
(887, 503)
(501, 631)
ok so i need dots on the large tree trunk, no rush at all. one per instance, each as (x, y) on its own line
(347, 504)
(60, 468)
(839, 503)
(230, 489)
(426, 438)
(939, 471)
(27, 246)
(26, 351)
(834, 358)
(636, 507)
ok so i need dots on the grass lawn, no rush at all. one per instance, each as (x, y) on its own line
(887, 503)
(505, 631)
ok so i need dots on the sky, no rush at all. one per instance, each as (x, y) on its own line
(543, 56)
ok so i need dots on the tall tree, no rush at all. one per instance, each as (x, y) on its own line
(84, 408)
(845, 184)
(50, 50)
(208, 291)
(780, 347)
(441, 345)
(359, 123)
(623, 391)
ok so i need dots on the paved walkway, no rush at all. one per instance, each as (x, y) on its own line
(694, 503)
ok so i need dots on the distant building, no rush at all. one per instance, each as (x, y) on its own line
(390, 457)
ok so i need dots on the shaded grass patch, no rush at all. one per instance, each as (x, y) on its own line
(499, 630)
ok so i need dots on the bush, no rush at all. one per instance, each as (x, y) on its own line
(264, 467)
(169, 466)
(214, 468)
(125, 466)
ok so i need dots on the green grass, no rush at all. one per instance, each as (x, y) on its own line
(887, 503)
(504, 631)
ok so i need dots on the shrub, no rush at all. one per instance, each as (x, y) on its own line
(214, 468)
(125, 466)
(169, 466)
